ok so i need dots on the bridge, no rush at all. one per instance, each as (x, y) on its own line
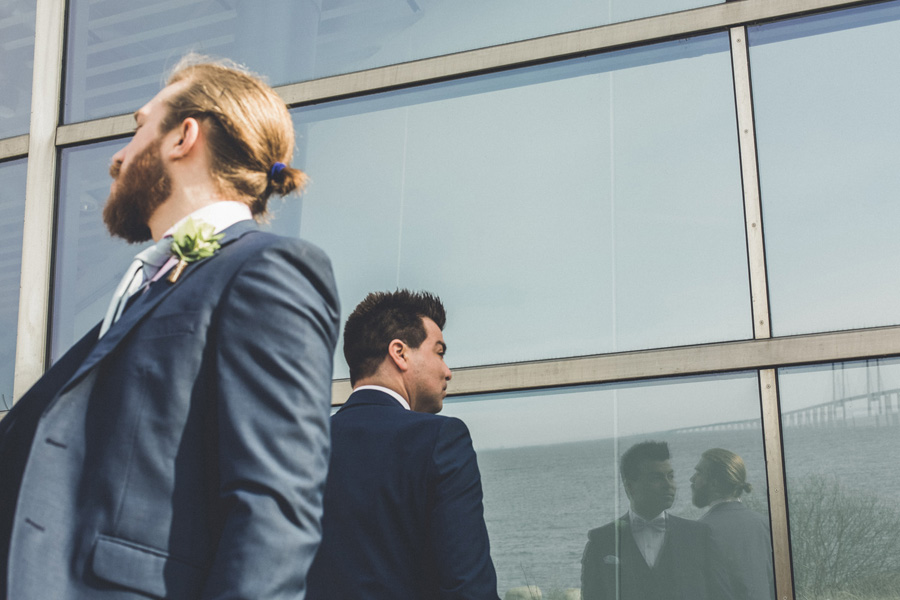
(875, 406)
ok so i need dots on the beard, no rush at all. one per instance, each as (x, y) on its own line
(700, 497)
(138, 192)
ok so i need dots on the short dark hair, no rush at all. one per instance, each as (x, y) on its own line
(382, 317)
(630, 466)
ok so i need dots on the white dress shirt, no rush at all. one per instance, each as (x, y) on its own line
(220, 215)
(388, 391)
(648, 535)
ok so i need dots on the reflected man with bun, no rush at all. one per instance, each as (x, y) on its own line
(741, 534)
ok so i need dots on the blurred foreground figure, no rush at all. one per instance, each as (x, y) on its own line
(179, 449)
(648, 554)
(741, 535)
(403, 503)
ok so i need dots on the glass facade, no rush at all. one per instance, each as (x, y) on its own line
(828, 133)
(119, 49)
(562, 450)
(453, 191)
(584, 213)
(12, 216)
(16, 62)
(89, 262)
(840, 434)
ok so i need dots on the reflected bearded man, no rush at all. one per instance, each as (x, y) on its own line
(403, 502)
(649, 554)
(741, 534)
(179, 449)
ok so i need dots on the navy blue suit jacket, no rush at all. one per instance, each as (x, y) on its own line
(687, 568)
(183, 454)
(403, 508)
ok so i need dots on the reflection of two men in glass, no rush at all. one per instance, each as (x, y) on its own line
(650, 554)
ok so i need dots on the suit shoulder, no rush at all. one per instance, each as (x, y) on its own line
(260, 241)
(437, 422)
(686, 523)
(450, 432)
(606, 531)
(282, 259)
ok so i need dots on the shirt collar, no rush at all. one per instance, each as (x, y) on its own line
(387, 391)
(723, 501)
(221, 215)
(633, 516)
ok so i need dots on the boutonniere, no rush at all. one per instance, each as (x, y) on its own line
(193, 241)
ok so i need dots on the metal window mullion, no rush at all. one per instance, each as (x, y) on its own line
(778, 510)
(716, 17)
(756, 255)
(37, 243)
(15, 147)
(759, 298)
(721, 357)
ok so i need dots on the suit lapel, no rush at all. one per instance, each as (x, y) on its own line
(665, 553)
(157, 291)
(629, 548)
(632, 569)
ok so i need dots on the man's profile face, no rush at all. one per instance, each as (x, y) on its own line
(135, 194)
(653, 490)
(140, 181)
(428, 374)
(701, 484)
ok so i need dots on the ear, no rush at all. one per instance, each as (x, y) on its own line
(185, 138)
(626, 485)
(398, 352)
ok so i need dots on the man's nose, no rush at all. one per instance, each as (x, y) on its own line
(119, 156)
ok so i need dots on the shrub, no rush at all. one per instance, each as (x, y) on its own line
(844, 543)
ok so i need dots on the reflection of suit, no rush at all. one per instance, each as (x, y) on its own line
(403, 508)
(686, 568)
(182, 455)
(742, 536)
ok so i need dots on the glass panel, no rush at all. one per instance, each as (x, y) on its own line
(841, 423)
(88, 261)
(578, 208)
(549, 463)
(825, 91)
(12, 219)
(16, 65)
(118, 48)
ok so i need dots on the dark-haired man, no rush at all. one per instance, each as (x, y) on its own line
(179, 449)
(403, 504)
(648, 554)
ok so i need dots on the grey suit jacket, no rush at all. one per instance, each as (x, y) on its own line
(183, 455)
(742, 537)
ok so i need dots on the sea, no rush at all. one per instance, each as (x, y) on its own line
(540, 501)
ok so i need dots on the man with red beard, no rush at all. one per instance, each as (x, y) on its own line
(741, 534)
(179, 449)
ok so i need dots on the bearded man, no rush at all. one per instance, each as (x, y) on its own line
(179, 450)
(741, 534)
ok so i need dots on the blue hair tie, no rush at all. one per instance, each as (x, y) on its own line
(277, 168)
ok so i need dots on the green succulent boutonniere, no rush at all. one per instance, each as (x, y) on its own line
(193, 241)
